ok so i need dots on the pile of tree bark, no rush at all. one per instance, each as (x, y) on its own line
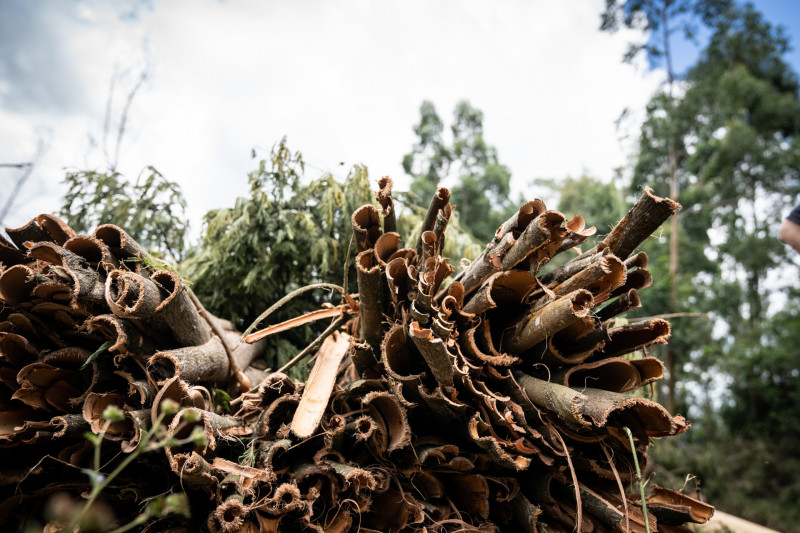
(509, 399)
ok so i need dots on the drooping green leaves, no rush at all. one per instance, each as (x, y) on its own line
(151, 210)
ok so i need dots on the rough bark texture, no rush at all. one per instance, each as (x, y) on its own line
(495, 404)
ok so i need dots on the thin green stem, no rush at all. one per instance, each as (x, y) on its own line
(638, 477)
(99, 444)
(138, 521)
(97, 488)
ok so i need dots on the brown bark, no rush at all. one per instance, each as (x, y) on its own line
(366, 226)
(547, 321)
(440, 200)
(178, 312)
(384, 198)
(370, 292)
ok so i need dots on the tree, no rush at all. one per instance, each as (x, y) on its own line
(481, 188)
(151, 210)
(661, 19)
(285, 235)
(736, 133)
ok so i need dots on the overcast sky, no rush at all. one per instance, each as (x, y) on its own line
(343, 80)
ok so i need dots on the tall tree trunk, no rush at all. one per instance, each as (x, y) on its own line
(674, 193)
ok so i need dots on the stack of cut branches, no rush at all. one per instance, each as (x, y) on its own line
(508, 400)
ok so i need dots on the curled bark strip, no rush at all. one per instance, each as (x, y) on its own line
(30, 232)
(93, 408)
(614, 374)
(193, 470)
(396, 358)
(138, 421)
(366, 226)
(363, 357)
(623, 303)
(644, 417)
(174, 389)
(520, 220)
(18, 283)
(50, 387)
(357, 478)
(428, 239)
(320, 385)
(646, 216)
(435, 353)
(10, 255)
(477, 343)
(285, 499)
(546, 228)
(384, 198)
(400, 280)
(93, 250)
(501, 289)
(440, 225)
(650, 369)
(178, 312)
(564, 402)
(547, 321)
(558, 351)
(127, 337)
(600, 278)
(481, 433)
(213, 427)
(88, 286)
(16, 351)
(577, 233)
(637, 279)
(673, 508)
(385, 408)
(486, 264)
(639, 260)
(123, 247)
(194, 364)
(59, 231)
(69, 426)
(440, 199)
(228, 517)
(370, 294)
(130, 295)
(636, 335)
(386, 246)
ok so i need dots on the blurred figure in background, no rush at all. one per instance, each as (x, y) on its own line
(789, 232)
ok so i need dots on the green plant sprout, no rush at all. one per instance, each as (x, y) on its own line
(153, 439)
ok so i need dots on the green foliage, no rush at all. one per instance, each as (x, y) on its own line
(288, 233)
(150, 210)
(735, 132)
(659, 18)
(481, 187)
(764, 396)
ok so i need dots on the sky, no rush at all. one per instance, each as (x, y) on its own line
(342, 80)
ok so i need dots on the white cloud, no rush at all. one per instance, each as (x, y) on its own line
(343, 80)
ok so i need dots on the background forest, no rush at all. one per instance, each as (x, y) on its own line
(722, 138)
